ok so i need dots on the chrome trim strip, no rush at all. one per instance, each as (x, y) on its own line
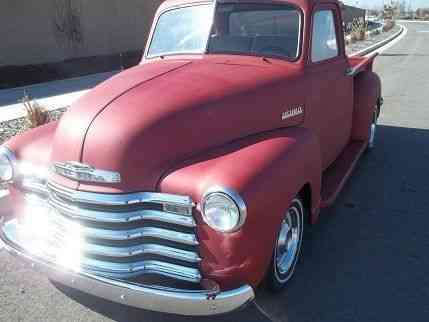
(120, 199)
(153, 232)
(121, 217)
(34, 186)
(152, 249)
(148, 297)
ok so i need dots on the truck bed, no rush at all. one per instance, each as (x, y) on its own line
(361, 63)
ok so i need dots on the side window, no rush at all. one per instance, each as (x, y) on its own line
(272, 32)
(324, 40)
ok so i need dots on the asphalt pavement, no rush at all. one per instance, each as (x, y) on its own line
(366, 260)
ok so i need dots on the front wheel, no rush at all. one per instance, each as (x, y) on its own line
(288, 246)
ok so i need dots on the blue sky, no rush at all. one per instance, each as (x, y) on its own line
(378, 3)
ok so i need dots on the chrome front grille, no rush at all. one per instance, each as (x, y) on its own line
(121, 236)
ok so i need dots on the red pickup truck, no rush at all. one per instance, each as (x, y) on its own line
(181, 184)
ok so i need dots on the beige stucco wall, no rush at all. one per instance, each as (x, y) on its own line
(42, 31)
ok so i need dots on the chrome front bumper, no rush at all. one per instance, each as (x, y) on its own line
(148, 297)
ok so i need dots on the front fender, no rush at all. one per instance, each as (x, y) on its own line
(267, 171)
(34, 145)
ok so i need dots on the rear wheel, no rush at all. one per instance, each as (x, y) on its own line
(288, 246)
(373, 126)
(373, 130)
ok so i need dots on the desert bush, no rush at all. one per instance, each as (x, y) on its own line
(36, 115)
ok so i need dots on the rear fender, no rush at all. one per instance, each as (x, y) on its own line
(267, 171)
(367, 92)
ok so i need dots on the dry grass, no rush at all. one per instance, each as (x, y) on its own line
(9, 129)
(36, 115)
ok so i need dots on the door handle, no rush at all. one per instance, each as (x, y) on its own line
(350, 71)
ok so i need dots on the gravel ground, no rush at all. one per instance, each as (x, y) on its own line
(11, 128)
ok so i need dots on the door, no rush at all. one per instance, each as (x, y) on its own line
(330, 99)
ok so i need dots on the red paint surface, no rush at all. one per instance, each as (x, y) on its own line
(34, 145)
(335, 177)
(184, 123)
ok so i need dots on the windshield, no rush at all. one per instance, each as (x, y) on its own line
(182, 31)
(247, 29)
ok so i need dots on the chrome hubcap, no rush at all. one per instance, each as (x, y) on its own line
(288, 241)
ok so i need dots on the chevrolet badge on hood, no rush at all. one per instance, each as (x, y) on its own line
(83, 172)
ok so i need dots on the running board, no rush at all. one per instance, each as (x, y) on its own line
(335, 177)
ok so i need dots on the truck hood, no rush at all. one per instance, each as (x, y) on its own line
(144, 121)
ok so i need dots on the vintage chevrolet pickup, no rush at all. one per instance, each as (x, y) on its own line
(181, 184)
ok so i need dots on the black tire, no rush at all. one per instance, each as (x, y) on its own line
(279, 275)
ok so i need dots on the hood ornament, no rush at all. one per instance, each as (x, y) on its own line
(84, 172)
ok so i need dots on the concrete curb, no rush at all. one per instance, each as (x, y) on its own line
(378, 45)
(413, 21)
(16, 111)
(52, 95)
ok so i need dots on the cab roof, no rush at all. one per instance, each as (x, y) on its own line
(300, 3)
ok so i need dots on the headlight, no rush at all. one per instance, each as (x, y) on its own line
(223, 210)
(7, 160)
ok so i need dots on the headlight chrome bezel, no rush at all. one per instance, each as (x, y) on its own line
(10, 156)
(234, 198)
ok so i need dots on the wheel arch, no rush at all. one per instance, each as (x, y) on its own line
(367, 93)
(306, 194)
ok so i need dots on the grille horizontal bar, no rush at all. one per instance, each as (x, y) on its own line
(35, 186)
(153, 232)
(152, 249)
(121, 236)
(121, 270)
(120, 199)
(121, 217)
